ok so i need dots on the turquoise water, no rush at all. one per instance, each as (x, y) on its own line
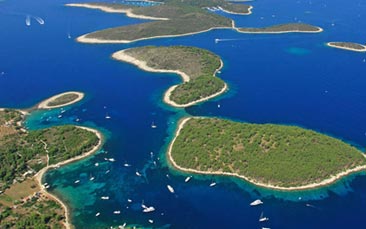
(291, 79)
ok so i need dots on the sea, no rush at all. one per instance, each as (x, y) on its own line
(290, 79)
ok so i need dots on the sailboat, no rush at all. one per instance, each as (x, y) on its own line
(262, 218)
(107, 116)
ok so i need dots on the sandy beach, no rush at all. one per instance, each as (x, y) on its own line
(40, 173)
(330, 44)
(325, 182)
(108, 9)
(122, 56)
(44, 104)
(236, 13)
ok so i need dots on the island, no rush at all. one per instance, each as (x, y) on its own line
(283, 28)
(272, 156)
(172, 18)
(25, 155)
(196, 66)
(61, 100)
(348, 46)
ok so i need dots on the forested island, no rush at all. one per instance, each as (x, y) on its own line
(284, 28)
(25, 155)
(268, 155)
(196, 66)
(61, 100)
(348, 46)
(173, 18)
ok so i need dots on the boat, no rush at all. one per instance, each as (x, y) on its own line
(256, 202)
(262, 218)
(151, 221)
(96, 164)
(218, 105)
(28, 20)
(149, 209)
(170, 188)
(104, 197)
(69, 35)
(153, 125)
(60, 116)
(98, 214)
(117, 212)
(266, 228)
(92, 178)
(111, 160)
(138, 174)
(107, 116)
(212, 184)
(106, 172)
(129, 200)
(126, 165)
(77, 181)
(187, 179)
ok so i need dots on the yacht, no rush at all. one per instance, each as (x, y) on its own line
(149, 209)
(107, 116)
(153, 125)
(111, 160)
(256, 202)
(117, 212)
(170, 188)
(262, 218)
(92, 178)
(98, 214)
(104, 197)
(77, 181)
(126, 165)
(187, 179)
(151, 221)
(138, 174)
(212, 184)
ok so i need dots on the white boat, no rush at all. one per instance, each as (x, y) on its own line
(28, 20)
(106, 172)
(218, 105)
(77, 181)
(104, 197)
(153, 125)
(107, 116)
(60, 116)
(266, 228)
(256, 202)
(98, 214)
(149, 209)
(69, 35)
(262, 218)
(138, 174)
(111, 160)
(117, 212)
(92, 178)
(151, 221)
(187, 179)
(126, 165)
(129, 200)
(170, 188)
(212, 184)
(96, 164)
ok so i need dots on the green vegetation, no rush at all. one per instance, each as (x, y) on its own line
(285, 156)
(348, 45)
(26, 152)
(290, 27)
(184, 17)
(199, 64)
(196, 89)
(34, 213)
(63, 99)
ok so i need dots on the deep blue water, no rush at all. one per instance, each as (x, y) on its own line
(289, 79)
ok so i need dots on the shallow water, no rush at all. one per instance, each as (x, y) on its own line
(289, 79)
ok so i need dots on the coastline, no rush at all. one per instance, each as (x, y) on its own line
(43, 104)
(84, 39)
(122, 56)
(108, 9)
(38, 176)
(280, 32)
(235, 13)
(325, 182)
(330, 44)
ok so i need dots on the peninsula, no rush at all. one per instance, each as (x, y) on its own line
(348, 46)
(24, 157)
(196, 66)
(61, 100)
(173, 18)
(284, 28)
(273, 156)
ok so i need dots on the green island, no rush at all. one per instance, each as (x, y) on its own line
(24, 157)
(268, 155)
(348, 46)
(283, 28)
(174, 18)
(196, 66)
(61, 100)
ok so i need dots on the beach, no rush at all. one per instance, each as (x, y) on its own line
(108, 9)
(44, 104)
(325, 182)
(40, 173)
(122, 56)
(230, 12)
(330, 44)
(280, 32)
